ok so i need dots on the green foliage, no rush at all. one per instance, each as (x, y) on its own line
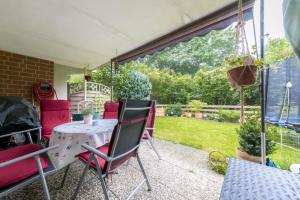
(213, 87)
(200, 52)
(133, 85)
(103, 75)
(174, 110)
(229, 115)
(234, 61)
(278, 50)
(76, 78)
(250, 139)
(213, 136)
(196, 105)
(218, 162)
(87, 111)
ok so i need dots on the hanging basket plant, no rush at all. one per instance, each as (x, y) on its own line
(242, 72)
(87, 74)
(242, 67)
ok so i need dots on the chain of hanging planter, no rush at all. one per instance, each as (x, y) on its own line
(242, 72)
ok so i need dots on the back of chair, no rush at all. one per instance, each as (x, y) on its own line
(151, 118)
(54, 113)
(111, 110)
(126, 137)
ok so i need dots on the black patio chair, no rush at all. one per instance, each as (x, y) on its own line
(22, 165)
(124, 144)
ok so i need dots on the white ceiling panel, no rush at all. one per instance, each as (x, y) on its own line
(80, 33)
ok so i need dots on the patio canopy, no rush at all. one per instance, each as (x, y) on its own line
(82, 33)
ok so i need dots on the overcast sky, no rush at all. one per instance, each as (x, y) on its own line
(273, 22)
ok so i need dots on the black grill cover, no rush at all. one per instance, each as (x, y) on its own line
(16, 114)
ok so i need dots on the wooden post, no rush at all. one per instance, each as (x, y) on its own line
(85, 89)
(242, 116)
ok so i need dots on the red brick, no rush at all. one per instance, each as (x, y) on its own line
(14, 73)
(29, 70)
(29, 79)
(18, 56)
(32, 59)
(10, 63)
(15, 68)
(45, 61)
(18, 60)
(30, 62)
(18, 73)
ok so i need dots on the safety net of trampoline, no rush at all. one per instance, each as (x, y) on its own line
(283, 92)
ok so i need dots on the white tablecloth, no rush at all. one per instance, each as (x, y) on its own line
(71, 136)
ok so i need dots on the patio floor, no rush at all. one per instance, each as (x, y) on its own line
(182, 173)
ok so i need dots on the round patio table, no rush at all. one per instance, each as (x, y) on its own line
(71, 136)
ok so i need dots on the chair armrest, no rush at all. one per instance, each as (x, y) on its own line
(95, 151)
(105, 157)
(149, 129)
(28, 132)
(33, 154)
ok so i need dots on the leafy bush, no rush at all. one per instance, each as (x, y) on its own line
(211, 116)
(174, 110)
(87, 111)
(196, 105)
(135, 85)
(218, 162)
(230, 116)
(249, 134)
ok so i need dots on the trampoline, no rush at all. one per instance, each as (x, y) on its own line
(283, 94)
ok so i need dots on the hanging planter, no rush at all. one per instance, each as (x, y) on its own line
(242, 68)
(87, 74)
(244, 74)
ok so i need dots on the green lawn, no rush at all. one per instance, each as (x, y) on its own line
(211, 135)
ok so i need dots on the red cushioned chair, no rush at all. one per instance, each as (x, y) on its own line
(111, 110)
(53, 113)
(22, 165)
(124, 145)
(148, 135)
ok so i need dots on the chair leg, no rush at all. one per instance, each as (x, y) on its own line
(82, 178)
(103, 184)
(143, 171)
(127, 163)
(43, 179)
(150, 142)
(65, 177)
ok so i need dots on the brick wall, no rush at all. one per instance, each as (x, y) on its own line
(18, 73)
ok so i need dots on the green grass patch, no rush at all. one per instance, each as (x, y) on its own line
(212, 136)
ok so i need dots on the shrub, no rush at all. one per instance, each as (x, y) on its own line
(196, 105)
(249, 134)
(230, 116)
(174, 110)
(212, 117)
(87, 111)
(135, 85)
(218, 162)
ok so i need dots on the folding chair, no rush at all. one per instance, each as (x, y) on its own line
(53, 113)
(124, 144)
(148, 135)
(111, 110)
(22, 165)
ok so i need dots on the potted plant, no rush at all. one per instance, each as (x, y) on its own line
(196, 106)
(250, 140)
(242, 70)
(87, 115)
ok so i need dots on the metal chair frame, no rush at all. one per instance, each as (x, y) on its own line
(36, 155)
(109, 159)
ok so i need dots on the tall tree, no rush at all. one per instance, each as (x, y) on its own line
(200, 52)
